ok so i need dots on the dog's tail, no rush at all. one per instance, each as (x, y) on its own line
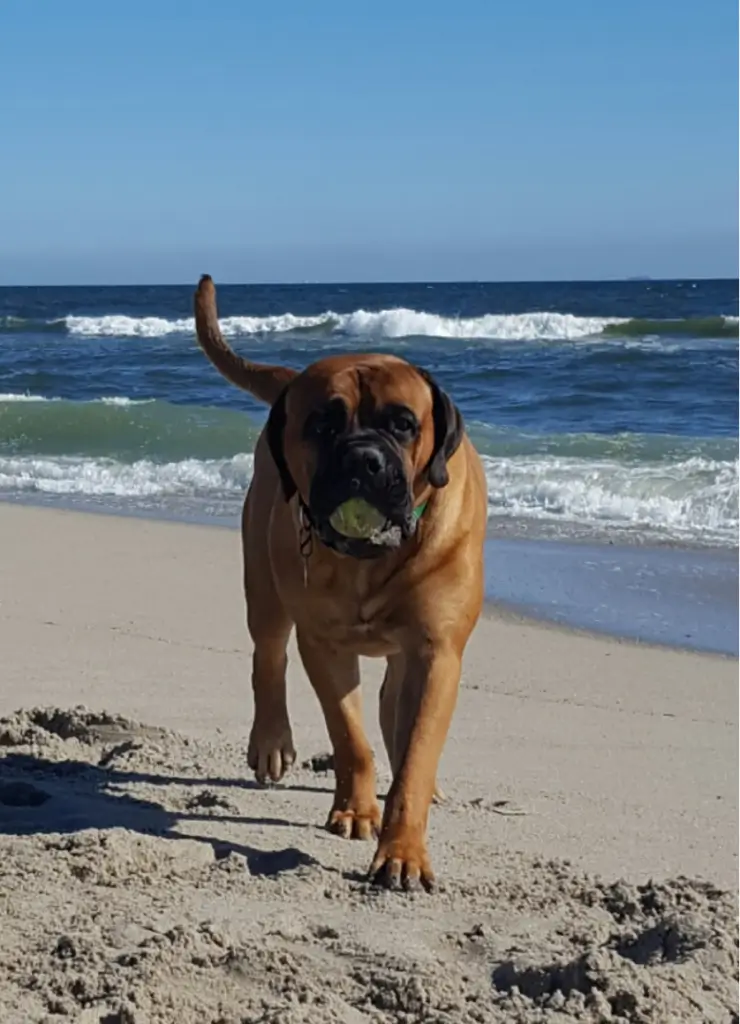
(263, 381)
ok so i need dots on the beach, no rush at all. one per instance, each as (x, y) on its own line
(585, 851)
(476, 277)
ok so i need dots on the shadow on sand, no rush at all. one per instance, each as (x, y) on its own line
(41, 796)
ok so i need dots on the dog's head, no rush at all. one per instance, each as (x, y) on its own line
(372, 427)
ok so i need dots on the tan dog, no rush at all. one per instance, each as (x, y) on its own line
(375, 427)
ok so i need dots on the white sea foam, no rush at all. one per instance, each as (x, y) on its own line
(126, 326)
(72, 475)
(696, 498)
(26, 398)
(122, 401)
(157, 327)
(385, 323)
(119, 400)
(402, 323)
(693, 499)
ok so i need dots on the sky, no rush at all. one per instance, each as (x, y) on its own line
(148, 142)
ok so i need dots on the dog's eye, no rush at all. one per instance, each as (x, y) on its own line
(401, 423)
(326, 423)
(320, 427)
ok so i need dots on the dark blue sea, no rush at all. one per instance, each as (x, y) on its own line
(606, 413)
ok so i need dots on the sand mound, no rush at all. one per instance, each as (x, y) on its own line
(147, 880)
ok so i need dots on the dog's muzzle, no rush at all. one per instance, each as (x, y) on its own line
(362, 465)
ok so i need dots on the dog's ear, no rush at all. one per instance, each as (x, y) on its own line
(275, 431)
(448, 432)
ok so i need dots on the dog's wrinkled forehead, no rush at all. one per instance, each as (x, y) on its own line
(362, 388)
(376, 392)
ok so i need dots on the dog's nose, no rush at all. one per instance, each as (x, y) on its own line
(372, 462)
(366, 460)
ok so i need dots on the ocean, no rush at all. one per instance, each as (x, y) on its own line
(605, 413)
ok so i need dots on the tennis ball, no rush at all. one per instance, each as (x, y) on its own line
(357, 519)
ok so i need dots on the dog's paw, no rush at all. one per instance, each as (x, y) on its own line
(355, 822)
(401, 860)
(271, 753)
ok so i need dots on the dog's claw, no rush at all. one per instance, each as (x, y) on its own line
(351, 824)
(271, 753)
(401, 863)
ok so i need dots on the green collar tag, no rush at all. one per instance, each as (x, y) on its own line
(419, 511)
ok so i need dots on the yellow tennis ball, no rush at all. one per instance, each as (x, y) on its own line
(357, 519)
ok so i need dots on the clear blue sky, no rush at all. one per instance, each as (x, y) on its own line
(286, 140)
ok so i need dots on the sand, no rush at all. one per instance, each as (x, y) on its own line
(587, 851)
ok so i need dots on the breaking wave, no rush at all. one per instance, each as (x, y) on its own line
(695, 500)
(391, 324)
(149, 452)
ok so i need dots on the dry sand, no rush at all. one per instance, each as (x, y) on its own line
(587, 851)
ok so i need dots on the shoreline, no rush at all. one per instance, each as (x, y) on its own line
(585, 590)
(496, 611)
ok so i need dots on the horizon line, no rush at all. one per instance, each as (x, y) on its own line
(380, 282)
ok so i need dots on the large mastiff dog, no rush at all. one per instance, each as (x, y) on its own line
(377, 428)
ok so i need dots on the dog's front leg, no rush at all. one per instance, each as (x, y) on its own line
(335, 676)
(425, 703)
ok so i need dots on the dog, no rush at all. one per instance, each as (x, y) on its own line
(374, 427)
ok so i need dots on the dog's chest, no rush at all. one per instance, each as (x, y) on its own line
(363, 624)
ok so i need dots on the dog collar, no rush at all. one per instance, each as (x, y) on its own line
(308, 528)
